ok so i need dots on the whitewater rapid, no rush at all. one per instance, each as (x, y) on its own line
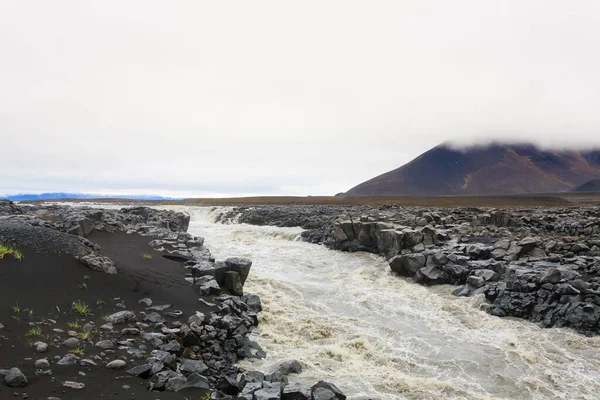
(377, 336)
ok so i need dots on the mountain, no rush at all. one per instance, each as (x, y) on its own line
(483, 170)
(57, 196)
(589, 186)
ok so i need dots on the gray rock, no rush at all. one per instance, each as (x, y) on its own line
(241, 266)
(173, 347)
(41, 347)
(289, 367)
(105, 344)
(551, 275)
(71, 342)
(407, 264)
(273, 393)
(73, 385)
(15, 378)
(294, 391)
(116, 364)
(42, 363)
(121, 317)
(68, 359)
(193, 366)
(338, 395)
(207, 286)
(232, 282)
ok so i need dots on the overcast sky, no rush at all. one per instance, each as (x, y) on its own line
(215, 98)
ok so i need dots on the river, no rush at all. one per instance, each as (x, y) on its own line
(349, 321)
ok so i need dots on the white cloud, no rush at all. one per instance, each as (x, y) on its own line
(266, 97)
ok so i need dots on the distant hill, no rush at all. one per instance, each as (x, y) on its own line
(485, 170)
(58, 196)
(589, 186)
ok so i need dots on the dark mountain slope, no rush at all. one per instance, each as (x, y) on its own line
(589, 186)
(493, 169)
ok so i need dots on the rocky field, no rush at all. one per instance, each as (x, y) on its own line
(541, 264)
(126, 304)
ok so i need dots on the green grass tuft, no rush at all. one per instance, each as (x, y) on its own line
(81, 308)
(6, 250)
(147, 256)
(37, 331)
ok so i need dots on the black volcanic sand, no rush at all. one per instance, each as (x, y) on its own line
(43, 282)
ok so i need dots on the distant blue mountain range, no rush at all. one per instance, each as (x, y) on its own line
(60, 195)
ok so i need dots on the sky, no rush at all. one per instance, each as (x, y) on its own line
(231, 98)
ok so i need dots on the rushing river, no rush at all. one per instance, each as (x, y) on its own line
(349, 321)
(377, 336)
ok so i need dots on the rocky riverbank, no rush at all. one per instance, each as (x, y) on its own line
(541, 264)
(153, 310)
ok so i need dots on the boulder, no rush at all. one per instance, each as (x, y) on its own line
(407, 264)
(233, 283)
(338, 395)
(15, 378)
(241, 266)
(294, 391)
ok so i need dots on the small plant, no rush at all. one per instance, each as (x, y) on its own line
(78, 351)
(84, 335)
(104, 317)
(100, 302)
(81, 308)
(57, 308)
(30, 313)
(83, 286)
(16, 318)
(86, 278)
(16, 309)
(74, 324)
(147, 256)
(10, 251)
(36, 331)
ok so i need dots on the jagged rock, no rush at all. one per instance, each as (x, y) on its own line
(207, 286)
(294, 391)
(326, 387)
(241, 266)
(68, 359)
(270, 393)
(407, 264)
(143, 371)
(551, 275)
(431, 276)
(100, 263)
(232, 282)
(193, 366)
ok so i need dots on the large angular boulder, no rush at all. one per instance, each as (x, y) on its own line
(407, 264)
(15, 378)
